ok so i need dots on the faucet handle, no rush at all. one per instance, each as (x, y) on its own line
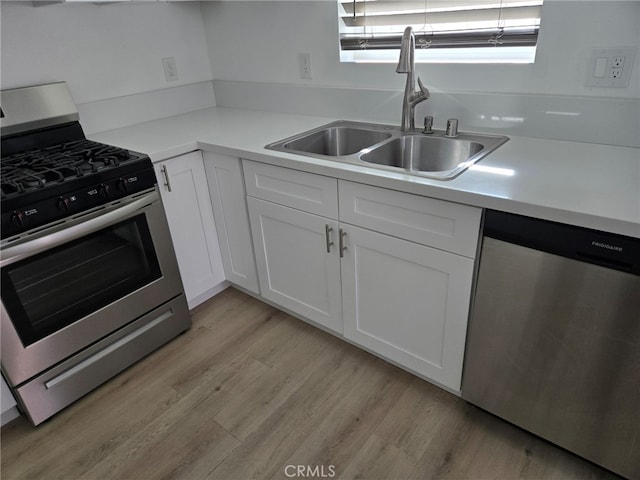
(428, 125)
(452, 128)
(425, 90)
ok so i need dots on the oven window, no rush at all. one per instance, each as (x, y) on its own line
(51, 290)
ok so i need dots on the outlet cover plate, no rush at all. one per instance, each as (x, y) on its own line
(170, 69)
(305, 66)
(610, 67)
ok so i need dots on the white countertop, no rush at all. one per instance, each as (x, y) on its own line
(590, 185)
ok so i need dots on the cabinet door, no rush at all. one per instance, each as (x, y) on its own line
(295, 269)
(407, 302)
(185, 195)
(226, 187)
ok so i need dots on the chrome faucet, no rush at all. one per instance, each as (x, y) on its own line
(406, 64)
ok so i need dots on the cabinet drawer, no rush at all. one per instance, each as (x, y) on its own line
(448, 226)
(292, 188)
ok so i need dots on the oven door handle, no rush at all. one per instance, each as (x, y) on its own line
(19, 252)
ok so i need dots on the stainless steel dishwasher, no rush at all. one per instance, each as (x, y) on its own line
(554, 339)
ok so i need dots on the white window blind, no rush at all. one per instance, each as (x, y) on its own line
(461, 31)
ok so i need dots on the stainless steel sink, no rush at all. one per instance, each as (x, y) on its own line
(336, 141)
(388, 148)
(423, 153)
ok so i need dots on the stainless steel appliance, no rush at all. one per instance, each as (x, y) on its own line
(554, 338)
(89, 278)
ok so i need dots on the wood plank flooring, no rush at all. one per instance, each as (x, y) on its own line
(249, 390)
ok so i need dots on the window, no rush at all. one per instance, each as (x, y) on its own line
(447, 31)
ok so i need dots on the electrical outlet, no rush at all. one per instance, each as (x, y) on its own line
(305, 66)
(610, 67)
(170, 69)
(617, 62)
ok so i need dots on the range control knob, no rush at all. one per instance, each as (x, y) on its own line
(104, 190)
(18, 218)
(123, 184)
(63, 204)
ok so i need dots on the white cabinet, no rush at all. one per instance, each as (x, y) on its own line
(304, 191)
(294, 226)
(444, 225)
(185, 195)
(227, 191)
(293, 222)
(391, 271)
(297, 267)
(407, 302)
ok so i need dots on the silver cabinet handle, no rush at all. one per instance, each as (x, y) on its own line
(167, 183)
(342, 246)
(327, 236)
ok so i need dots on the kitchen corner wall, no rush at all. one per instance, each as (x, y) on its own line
(110, 56)
(259, 69)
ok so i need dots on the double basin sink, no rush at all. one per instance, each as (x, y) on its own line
(431, 155)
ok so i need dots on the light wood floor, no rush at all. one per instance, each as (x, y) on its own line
(249, 390)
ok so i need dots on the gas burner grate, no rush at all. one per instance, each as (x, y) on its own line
(37, 169)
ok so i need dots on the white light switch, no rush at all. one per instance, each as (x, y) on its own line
(601, 67)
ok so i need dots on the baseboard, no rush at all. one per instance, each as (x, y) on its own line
(203, 297)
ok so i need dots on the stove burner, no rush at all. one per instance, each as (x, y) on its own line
(90, 166)
(36, 169)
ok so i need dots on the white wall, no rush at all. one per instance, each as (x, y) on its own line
(102, 51)
(263, 39)
(114, 51)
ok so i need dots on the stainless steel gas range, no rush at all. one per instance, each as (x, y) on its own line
(89, 278)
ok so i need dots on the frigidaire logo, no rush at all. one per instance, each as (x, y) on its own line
(607, 246)
(310, 471)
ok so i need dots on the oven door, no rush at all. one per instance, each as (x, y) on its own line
(70, 285)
